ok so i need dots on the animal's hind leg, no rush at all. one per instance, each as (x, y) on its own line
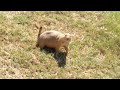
(57, 51)
(37, 44)
(41, 46)
(66, 48)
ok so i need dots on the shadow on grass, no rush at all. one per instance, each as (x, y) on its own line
(59, 57)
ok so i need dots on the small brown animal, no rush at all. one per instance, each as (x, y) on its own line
(53, 39)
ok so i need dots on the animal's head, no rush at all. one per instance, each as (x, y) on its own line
(67, 37)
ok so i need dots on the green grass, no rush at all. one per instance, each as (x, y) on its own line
(94, 51)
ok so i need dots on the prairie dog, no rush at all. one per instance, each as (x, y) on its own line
(53, 39)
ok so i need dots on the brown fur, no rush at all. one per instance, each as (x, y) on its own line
(53, 39)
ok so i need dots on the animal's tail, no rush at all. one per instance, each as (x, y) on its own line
(40, 29)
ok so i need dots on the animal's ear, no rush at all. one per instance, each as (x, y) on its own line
(65, 35)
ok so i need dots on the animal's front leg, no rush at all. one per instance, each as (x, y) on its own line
(66, 48)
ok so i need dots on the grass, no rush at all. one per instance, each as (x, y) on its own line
(94, 52)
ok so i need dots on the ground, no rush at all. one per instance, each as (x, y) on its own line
(94, 51)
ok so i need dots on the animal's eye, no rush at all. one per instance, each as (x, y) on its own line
(68, 39)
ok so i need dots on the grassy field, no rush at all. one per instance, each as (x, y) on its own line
(94, 51)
